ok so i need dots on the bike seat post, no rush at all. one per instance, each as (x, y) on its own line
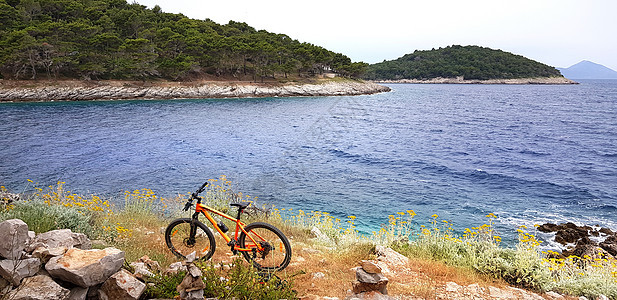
(240, 209)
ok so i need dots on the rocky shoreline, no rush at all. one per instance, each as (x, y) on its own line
(102, 90)
(461, 80)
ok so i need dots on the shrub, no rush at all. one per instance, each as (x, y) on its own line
(42, 217)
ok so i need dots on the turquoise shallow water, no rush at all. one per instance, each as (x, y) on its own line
(529, 154)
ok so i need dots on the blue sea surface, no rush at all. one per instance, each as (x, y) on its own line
(528, 153)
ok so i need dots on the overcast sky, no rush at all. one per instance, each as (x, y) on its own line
(559, 33)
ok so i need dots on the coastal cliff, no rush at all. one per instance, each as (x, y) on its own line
(118, 90)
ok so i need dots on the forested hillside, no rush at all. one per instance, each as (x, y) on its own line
(471, 62)
(112, 39)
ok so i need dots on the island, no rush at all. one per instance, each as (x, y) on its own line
(85, 50)
(464, 64)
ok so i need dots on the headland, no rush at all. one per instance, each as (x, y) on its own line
(75, 90)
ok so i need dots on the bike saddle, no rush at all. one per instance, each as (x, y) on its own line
(241, 205)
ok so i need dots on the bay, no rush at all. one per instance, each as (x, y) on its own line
(530, 153)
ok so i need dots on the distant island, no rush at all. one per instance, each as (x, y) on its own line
(464, 64)
(588, 70)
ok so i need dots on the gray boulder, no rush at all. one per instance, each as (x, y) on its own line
(13, 234)
(45, 254)
(86, 268)
(60, 238)
(122, 286)
(39, 287)
(16, 270)
(78, 293)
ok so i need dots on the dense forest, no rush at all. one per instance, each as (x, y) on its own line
(470, 62)
(113, 39)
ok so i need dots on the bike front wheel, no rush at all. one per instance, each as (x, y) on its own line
(184, 236)
(270, 249)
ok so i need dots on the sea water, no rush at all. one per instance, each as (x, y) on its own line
(527, 153)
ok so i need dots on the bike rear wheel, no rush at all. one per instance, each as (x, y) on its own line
(184, 236)
(271, 250)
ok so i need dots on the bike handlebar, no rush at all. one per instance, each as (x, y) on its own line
(195, 195)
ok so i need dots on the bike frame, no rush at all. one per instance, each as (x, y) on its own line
(206, 210)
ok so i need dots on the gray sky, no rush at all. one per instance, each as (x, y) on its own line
(559, 33)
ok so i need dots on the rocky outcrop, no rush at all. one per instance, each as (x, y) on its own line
(583, 241)
(60, 238)
(122, 286)
(39, 287)
(58, 91)
(13, 234)
(192, 286)
(461, 80)
(16, 270)
(52, 266)
(86, 268)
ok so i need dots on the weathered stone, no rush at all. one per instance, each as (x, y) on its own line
(141, 271)
(39, 287)
(370, 267)
(152, 265)
(191, 287)
(365, 277)
(569, 235)
(176, 267)
(60, 238)
(319, 234)
(319, 275)
(122, 286)
(16, 270)
(46, 254)
(610, 245)
(194, 271)
(5, 287)
(86, 268)
(13, 234)
(31, 236)
(390, 256)
(555, 296)
(78, 293)
(367, 282)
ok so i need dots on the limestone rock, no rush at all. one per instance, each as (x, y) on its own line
(391, 257)
(13, 234)
(60, 238)
(191, 287)
(367, 282)
(39, 287)
(210, 90)
(16, 270)
(370, 267)
(319, 234)
(86, 268)
(122, 286)
(141, 270)
(46, 254)
(78, 293)
(5, 287)
(176, 267)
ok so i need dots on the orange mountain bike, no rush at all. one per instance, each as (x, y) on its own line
(261, 244)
